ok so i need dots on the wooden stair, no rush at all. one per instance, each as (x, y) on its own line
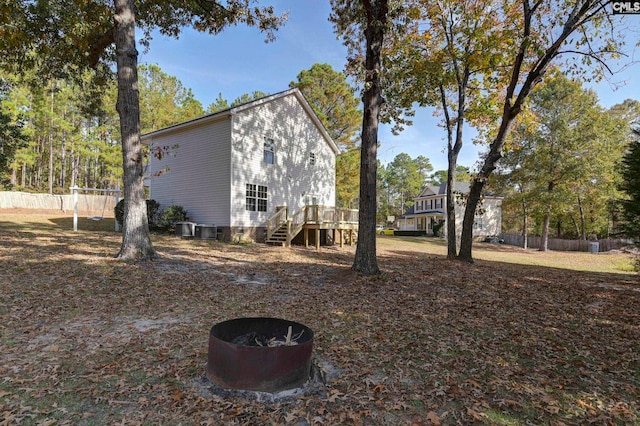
(279, 236)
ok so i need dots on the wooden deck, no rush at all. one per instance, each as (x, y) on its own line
(282, 228)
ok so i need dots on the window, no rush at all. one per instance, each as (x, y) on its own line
(269, 151)
(312, 158)
(256, 197)
(477, 223)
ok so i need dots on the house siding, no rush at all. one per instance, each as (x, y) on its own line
(291, 178)
(198, 175)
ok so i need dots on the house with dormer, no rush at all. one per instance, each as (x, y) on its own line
(430, 206)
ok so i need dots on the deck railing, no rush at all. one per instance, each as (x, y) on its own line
(277, 220)
(330, 216)
(320, 216)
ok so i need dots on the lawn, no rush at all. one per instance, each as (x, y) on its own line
(518, 337)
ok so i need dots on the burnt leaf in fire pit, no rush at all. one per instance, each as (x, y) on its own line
(250, 339)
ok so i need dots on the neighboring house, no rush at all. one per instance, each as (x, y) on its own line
(237, 168)
(430, 206)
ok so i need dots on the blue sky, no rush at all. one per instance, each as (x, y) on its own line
(238, 61)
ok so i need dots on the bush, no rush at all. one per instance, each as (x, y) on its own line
(118, 211)
(437, 228)
(171, 215)
(152, 212)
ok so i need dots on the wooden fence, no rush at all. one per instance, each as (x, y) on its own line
(99, 204)
(567, 245)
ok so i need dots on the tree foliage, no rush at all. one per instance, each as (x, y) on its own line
(60, 38)
(363, 25)
(66, 143)
(463, 174)
(445, 57)
(221, 103)
(562, 160)
(402, 180)
(83, 142)
(333, 100)
(164, 100)
(12, 136)
(631, 186)
(543, 33)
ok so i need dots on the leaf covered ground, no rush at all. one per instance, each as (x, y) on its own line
(87, 339)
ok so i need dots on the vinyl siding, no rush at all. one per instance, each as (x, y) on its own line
(198, 175)
(291, 178)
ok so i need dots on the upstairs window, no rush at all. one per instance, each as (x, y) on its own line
(256, 198)
(269, 151)
(312, 158)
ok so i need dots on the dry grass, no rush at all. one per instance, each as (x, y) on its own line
(609, 262)
(87, 339)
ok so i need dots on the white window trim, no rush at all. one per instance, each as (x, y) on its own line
(269, 147)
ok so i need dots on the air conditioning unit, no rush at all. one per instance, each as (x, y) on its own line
(185, 229)
(206, 232)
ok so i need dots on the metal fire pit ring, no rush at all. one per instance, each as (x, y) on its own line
(259, 368)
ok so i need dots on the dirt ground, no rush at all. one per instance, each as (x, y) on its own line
(87, 339)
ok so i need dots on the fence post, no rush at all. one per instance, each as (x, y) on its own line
(75, 208)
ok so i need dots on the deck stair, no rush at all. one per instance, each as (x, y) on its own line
(282, 228)
(279, 236)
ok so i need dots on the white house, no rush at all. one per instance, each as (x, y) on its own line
(430, 208)
(236, 168)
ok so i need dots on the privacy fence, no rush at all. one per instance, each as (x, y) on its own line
(94, 204)
(568, 245)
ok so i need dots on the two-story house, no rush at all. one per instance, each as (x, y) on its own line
(239, 168)
(430, 206)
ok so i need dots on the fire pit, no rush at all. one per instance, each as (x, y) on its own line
(259, 354)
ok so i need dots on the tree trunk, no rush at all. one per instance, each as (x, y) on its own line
(544, 243)
(452, 247)
(136, 242)
(53, 85)
(583, 226)
(453, 149)
(366, 261)
(525, 225)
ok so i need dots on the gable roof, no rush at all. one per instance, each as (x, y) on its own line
(462, 187)
(441, 189)
(225, 113)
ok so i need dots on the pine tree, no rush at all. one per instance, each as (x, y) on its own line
(631, 186)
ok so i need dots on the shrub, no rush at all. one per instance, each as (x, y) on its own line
(118, 211)
(152, 212)
(437, 228)
(171, 215)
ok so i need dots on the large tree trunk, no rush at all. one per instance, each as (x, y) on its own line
(136, 242)
(366, 261)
